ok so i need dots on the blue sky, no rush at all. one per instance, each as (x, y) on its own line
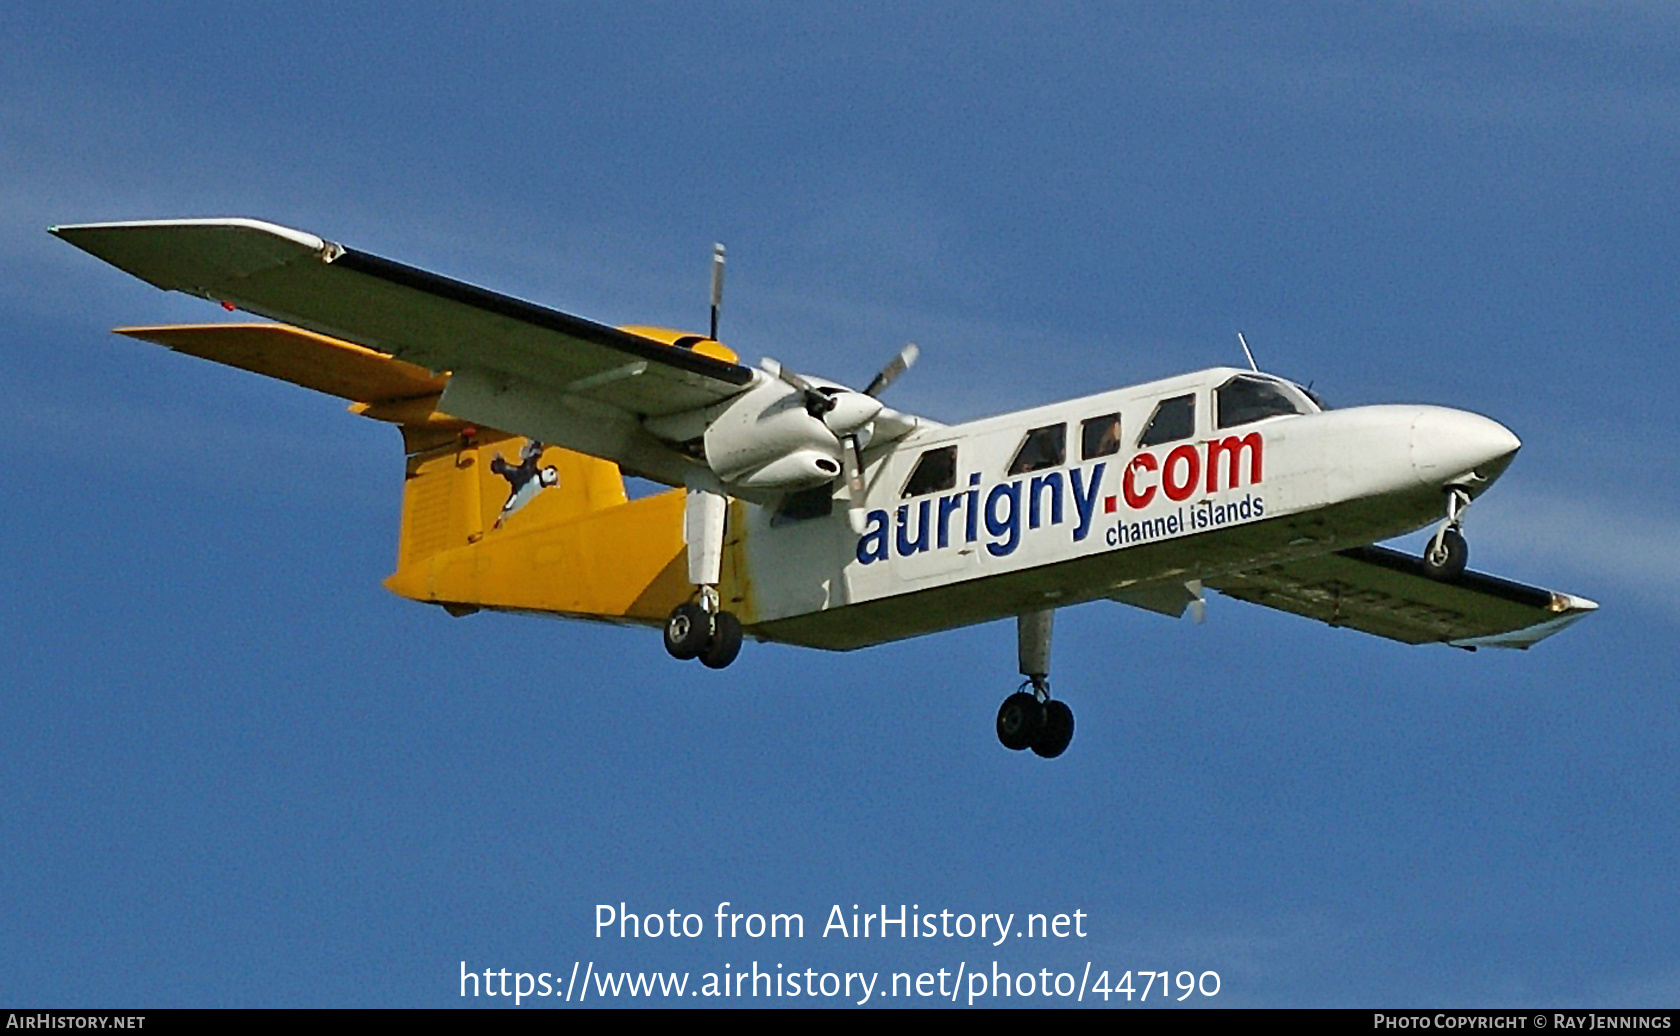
(238, 772)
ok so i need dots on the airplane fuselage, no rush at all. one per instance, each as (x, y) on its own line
(1111, 504)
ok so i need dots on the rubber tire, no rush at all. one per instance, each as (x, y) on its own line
(725, 643)
(1449, 564)
(687, 630)
(1057, 731)
(1019, 720)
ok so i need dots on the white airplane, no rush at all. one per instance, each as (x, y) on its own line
(809, 513)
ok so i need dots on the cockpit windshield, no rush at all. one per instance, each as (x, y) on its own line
(1247, 398)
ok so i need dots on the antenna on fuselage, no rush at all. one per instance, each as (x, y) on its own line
(1251, 364)
(717, 286)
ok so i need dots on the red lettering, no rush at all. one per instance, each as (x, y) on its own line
(1184, 459)
(1232, 447)
(1136, 499)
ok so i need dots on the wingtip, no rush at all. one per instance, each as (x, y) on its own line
(1569, 604)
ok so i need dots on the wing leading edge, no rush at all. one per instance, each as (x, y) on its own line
(1385, 592)
(421, 317)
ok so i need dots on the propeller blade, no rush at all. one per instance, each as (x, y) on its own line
(854, 483)
(775, 369)
(889, 374)
(717, 286)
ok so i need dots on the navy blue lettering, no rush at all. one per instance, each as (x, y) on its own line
(907, 546)
(872, 545)
(1085, 499)
(972, 511)
(1009, 523)
(947, 504)
(1053, 482)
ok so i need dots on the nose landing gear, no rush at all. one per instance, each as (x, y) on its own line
(1448, 553)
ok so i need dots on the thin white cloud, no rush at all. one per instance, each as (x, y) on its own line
(1608, 546)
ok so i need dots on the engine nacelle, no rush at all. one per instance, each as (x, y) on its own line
(801, 469)
(766, 439)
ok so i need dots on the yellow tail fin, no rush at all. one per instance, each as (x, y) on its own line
(490, 520)
(498, 521)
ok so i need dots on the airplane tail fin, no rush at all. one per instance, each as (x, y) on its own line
(492, 520)
(489, 519)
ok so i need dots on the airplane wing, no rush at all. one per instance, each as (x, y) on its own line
(592, 384)
(1385, 592)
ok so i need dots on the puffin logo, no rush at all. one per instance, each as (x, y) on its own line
(525, 479)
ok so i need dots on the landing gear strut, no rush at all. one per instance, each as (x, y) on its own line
(1030, 718)
(701, 628)
(1448, 553)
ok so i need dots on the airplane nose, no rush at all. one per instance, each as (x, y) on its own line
(1455, 447)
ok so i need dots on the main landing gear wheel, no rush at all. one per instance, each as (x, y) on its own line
(725, 642)
(693, 631)
(1057, 731)
(1042, 724)
(1446, 556)
(689, 630)
(1019, 720)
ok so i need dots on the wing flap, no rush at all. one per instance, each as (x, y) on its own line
(1385, 592)
(429, 320)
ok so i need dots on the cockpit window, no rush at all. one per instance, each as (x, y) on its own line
(1043, 448)
(1174, 419)
(1099, 436)
(1246, 398)
(936, 470)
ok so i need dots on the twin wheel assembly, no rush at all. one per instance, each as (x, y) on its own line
(1030, 718)
(1041, 724)
(700, 628)
(694, 631)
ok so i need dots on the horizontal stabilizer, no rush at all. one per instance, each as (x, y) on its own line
(1385, 592)
(318, 362)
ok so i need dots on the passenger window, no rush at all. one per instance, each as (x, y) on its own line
(936, 470)
(1099, 436)
(1044, 448)
(1244, 399)
(1174, 419)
